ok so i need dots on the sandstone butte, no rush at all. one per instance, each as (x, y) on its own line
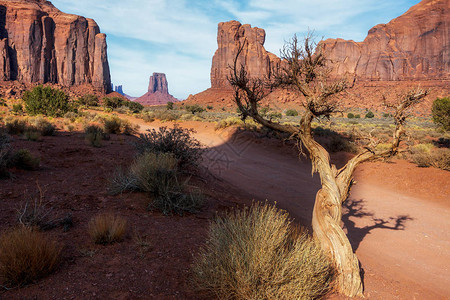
(158, 91)
(40, 44)
(411, 50)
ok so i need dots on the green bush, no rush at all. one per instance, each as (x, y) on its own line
(274, 115)
(169, 105)
(32, 135)
(256, 253)
(350, 116)
(17, 108)
(176, 140)
(386, 115)
(3, 102)
(112, 124)
(23, 159)
(209, 107)
(369, 115)
(88, 100)
(358, 116)
(194, 108)
(117, 102)
(441, 112)
(291, 113)
(46, 101)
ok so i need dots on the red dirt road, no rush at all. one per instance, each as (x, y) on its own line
(398, 216)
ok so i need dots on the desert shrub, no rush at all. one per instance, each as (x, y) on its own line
(256, 253)
(135, 107)
(441, 112)
(117, 102)
(194, 108)
(157, 175)
(176, 140)
(32, 134)
(107, 229)
(17, 108)
(26, 255)
(369, 115)
(350, 115)
(230, 121)
(357, 116)
(112, 124)
(23, 159)
(88, 100)
(291, 113)
(15, 126)
(274, 115)
(169, 105)
(3, 102)
(46, 101)
(426, 155)
(94, 134)
(209, 107)
(147, 117)
(386, 115)
(5, 153)
(72, 116)
(43, 126)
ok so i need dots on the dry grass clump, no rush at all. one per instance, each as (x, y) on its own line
(426, 155)
(23, 159)
(107, 229)
(26, 255)
(157, 175)
(256, 253)
(5, 154)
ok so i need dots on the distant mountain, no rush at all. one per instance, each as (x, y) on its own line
(158, 91)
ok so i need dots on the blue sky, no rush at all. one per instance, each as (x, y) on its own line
(178, 37)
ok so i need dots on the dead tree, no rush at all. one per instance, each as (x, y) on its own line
(304, 70)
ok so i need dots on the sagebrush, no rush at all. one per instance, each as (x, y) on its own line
(257, 253)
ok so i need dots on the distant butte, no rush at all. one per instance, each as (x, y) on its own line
(158, 91)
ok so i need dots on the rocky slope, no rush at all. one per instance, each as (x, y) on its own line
(40, 44)
(413, 46)
(257, 61)
(158, 91)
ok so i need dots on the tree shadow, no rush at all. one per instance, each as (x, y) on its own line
(357, 209)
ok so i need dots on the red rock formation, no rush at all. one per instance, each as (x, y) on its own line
(414, 46)
(158, 91)
(40, 44)
(254, 57)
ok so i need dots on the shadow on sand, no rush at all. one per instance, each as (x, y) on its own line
(356, 209)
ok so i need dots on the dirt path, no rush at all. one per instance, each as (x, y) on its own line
(398, 216)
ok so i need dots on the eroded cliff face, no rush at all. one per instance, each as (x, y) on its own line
(414, 46)
(257, 61)
(40, 44)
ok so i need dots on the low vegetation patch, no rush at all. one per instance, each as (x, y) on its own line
(441, 113)
(107, 229)
(5, 154)
(47, 101)
(94, 135)
(26, 255)
(23, 159)
(256, 253)
(177, 140)
(157, 175)
(426, 155)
